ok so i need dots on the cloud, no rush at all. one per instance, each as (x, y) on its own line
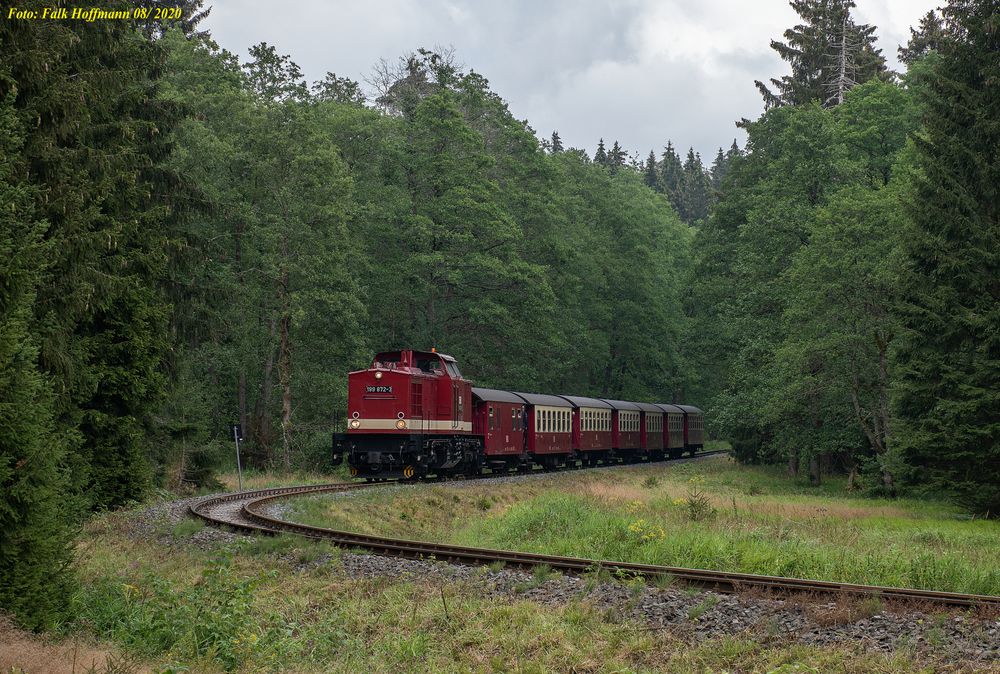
(639, 71)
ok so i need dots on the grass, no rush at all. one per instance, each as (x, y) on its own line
(711, 514)
(286, 604)
(188, 609)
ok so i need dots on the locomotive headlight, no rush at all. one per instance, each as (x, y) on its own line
(355, 423)
(401, 424)
(378, 375)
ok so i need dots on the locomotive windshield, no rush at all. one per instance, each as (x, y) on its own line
(453, 369)
(429, 365)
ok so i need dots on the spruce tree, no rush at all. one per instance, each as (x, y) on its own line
(695, 189)
(652, 175)
(601, 156)
(616, 158)
(34, 512)
(718, 170)
(828, 54)
(671, 175)
(95, 139)
(557, 145)
(947, 396)
(926, 38)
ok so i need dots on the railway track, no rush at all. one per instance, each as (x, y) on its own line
(245, 511)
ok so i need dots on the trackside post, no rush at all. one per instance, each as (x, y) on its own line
(237, 436)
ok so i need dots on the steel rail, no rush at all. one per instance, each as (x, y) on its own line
(254, 520)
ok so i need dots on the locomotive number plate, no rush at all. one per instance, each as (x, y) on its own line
(378, 389)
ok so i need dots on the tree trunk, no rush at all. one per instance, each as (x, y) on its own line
(793, 463)
(814, 470)
(285, 357)
(261, 420)
(241, 394)
(285, 376)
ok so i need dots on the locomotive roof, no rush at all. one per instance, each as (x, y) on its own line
(648, 407)
(544, 399)
(672, 409)
(620, 404)
(582, 401)
(690, 409)
(496, 396)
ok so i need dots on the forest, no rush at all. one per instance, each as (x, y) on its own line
(188, 241)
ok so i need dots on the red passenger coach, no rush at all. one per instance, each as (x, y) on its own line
(694, 428)
(550, 438)
(651, 429)
(673, 430)
(625, 434)
(591, 428)
(500, 418)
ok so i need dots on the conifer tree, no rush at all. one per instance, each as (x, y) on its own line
(828, 54)
(651, 173)
(616, 158)
(557, 145)
(948, 366)
(718, 170)
(34, 512)
(601, 156)
(671, 175)
(100, 315)
(695, 186)
(923, 39)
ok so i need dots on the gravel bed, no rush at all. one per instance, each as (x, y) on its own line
(699, 615)
(158, 521)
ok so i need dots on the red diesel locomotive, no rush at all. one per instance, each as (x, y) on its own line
(413, 414)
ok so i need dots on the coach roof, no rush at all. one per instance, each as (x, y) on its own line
(544, 399)
(493, 395)
(582, 401)
(621, 404)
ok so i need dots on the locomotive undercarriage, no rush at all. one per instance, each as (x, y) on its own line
(410, 456)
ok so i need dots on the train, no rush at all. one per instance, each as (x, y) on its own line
(412, 414)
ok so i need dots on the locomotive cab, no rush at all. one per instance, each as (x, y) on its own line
(409, 414)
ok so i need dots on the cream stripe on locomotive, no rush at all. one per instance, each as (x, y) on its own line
(628, 421)
(553, 419)
(412, 425)
(595, 419)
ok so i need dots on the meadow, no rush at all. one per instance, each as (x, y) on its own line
(710, 514)
(287, 604)
(170, 602)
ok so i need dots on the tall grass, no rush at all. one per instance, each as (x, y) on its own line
(710, 514)
(883, 552)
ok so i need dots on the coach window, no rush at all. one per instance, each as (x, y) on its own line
(491, 417)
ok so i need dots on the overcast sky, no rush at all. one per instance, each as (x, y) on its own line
(639, 71)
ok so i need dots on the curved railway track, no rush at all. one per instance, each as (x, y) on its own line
(245, 511)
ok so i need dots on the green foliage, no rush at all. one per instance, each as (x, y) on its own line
(34, 514)
(828, 54)
(948, 361)
(211, 619)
